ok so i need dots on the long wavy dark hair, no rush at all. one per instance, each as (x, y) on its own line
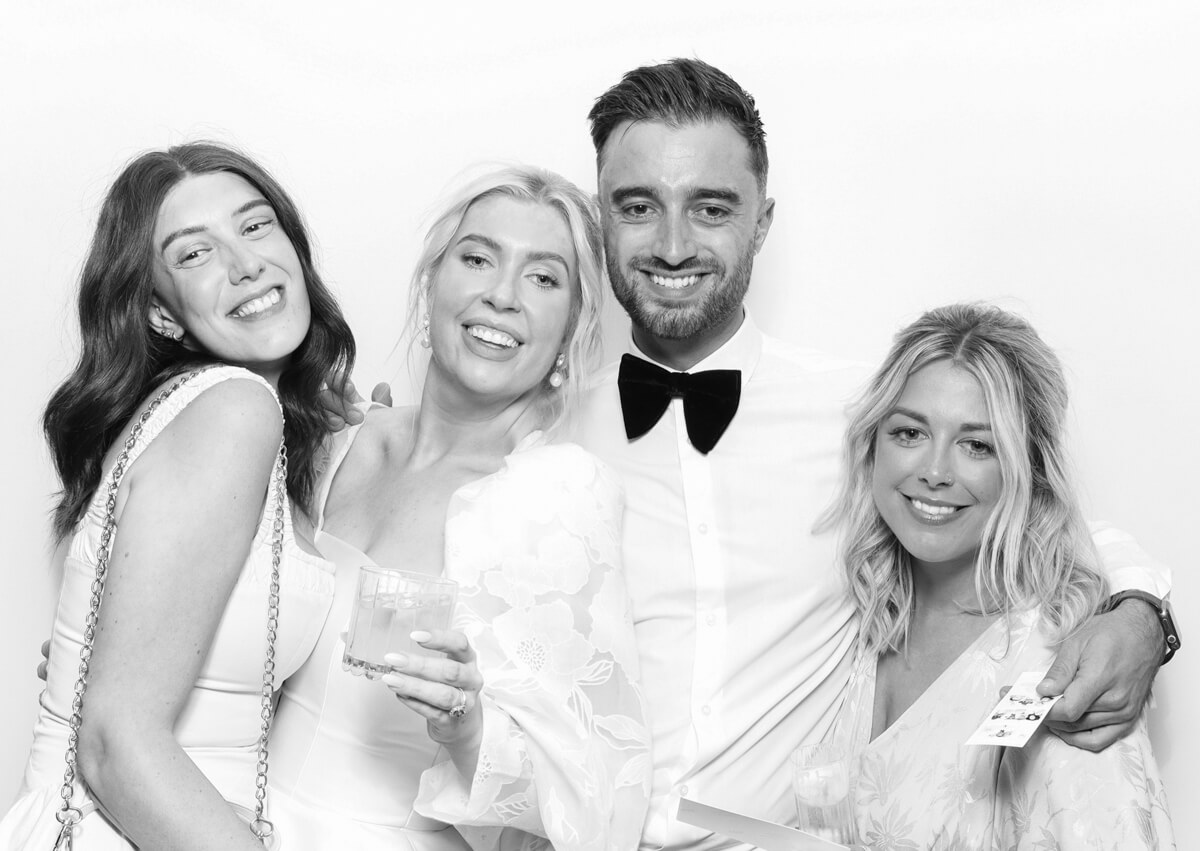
(121, 359)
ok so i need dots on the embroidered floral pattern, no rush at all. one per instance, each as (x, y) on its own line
(565, 757)
(917, 786)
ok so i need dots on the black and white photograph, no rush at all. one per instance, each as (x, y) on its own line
(644, 426)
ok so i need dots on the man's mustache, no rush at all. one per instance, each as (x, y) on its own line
(655, 267)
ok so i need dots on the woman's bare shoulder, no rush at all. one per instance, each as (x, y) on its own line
(237, 408)
(386, 429)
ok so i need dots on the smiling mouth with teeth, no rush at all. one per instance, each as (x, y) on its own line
(679, 283)
(257, 305)
(491, 335)
(934, 510)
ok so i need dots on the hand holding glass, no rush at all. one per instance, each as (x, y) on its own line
(821, 782)
(389, 604)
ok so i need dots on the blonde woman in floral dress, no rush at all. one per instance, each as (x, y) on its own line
(968, 562)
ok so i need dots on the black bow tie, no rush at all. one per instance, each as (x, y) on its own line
(710, 399)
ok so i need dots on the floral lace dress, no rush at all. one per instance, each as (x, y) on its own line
(919, 787)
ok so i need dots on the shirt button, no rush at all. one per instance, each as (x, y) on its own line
(702, 528)
(682, 790)
(706, 709)
(710, 620)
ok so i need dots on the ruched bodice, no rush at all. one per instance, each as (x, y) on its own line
(348, 757)
(535, 548)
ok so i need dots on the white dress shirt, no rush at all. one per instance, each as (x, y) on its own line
(744, 631)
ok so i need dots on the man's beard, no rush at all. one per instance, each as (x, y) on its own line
(670, 321)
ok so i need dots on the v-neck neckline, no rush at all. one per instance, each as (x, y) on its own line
(872, 672)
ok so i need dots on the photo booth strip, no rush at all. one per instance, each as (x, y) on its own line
(1017, 716)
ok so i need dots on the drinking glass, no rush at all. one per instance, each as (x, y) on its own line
(821, 782)
(389, 604)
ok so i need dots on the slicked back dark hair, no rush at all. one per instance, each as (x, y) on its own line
(122, 359)
(678, 93)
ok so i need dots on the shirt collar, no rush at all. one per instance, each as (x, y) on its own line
(741, 351)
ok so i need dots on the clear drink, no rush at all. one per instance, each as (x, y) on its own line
(821, 782)
(390, 604)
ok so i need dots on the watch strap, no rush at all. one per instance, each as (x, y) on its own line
(1166, 618)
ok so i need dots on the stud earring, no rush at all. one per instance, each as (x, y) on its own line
(559, 371)
(177, 336)
(425, 332)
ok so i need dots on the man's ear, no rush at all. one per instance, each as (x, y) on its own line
(162, 322)
(763, 225)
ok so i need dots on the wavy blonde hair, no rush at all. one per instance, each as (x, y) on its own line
(581, 345)
(1036, 549)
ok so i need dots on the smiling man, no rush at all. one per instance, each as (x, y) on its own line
(728, 442)
(684, 216)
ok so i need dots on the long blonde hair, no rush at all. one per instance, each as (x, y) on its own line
(1036, 550)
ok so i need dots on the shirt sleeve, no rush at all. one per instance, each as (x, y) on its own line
(1126, 565)
(1052, 795)
(564, 760)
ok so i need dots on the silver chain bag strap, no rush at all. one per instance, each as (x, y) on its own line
(69, 815)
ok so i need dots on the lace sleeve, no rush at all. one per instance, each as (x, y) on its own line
(565, 755)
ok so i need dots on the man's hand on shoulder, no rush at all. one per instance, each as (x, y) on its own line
(340, 410)
(382, 394)
(339, 407)
(1104, 673)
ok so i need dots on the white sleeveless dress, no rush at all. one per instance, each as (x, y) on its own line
(535, 548)
(220, 723)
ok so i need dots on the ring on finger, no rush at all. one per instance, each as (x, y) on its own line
(459, 709)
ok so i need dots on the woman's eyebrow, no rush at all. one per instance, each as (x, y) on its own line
(911, 414)
(188, 231)
(546, 255)
(923, 420)
(485, 241)
(250, 205)
(488, 242)
(174, 235)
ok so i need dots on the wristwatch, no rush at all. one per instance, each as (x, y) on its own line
(1166, 617)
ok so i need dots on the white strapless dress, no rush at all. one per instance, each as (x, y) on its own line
(535, 548)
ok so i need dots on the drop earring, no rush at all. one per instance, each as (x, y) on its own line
(425, 332)
(558, 373)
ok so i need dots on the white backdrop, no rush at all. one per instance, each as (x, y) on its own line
(1044, 155)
